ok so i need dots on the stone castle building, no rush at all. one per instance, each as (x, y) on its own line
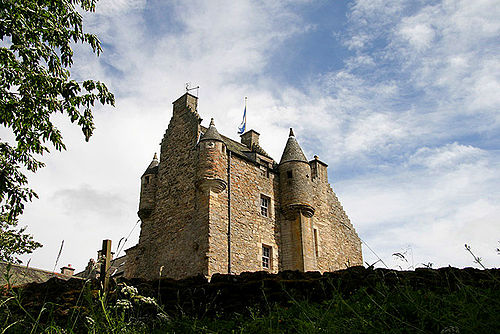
(213, 205)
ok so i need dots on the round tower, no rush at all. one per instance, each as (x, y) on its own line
(149, 182)
(212, 162)
(295, 180)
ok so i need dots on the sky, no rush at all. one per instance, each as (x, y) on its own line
(400, 98)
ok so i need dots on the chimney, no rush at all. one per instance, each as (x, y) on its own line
(185, 103)
(67, 270)
(318, 169)
(250, 138)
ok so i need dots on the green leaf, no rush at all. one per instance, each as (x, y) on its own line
(35, 82)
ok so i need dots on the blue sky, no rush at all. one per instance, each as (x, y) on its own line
(400, 98)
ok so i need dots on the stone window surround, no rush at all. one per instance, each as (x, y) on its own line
(314, 171)
(264, 171)
(265, 206)
(316, 241)
(267, 257)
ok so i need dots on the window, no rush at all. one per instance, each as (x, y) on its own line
(264, 205)
(146, 179)
(314, 170)
(316, 246)
(289, 174)
(266, 257)
(264, 171)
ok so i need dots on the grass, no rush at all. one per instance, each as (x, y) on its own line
(402, 310)
(383, 308)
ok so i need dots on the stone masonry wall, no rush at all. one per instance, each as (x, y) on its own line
(297, 247)
(149, 185)
(186, 232)
(216, 167)
(175, 238)
(297, 189)
(338, 245)
(249, 229)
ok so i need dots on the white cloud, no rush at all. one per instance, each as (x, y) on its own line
(419, 36)
(214, 45)
(86, 201)
(449, 156)
(450, 200)
(420, 79)
(114, 7)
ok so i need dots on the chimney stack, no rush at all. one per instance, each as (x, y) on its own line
(185, 103)
(250, 138)
(67, 270)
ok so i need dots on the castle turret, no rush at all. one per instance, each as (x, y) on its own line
(295, 179)
(212, 161)
(148, 189)
(297, 207)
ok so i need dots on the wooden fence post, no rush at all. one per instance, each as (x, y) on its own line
(106, 260)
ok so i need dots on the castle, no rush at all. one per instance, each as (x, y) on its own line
(213, 205)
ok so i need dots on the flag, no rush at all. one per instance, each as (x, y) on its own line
(243, 124)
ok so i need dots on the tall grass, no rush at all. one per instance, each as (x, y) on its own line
(389, 304)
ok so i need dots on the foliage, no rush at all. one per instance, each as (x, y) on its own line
(35, 83)
(13, 241)
(383, 309)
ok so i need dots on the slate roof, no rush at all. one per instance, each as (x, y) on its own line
(117, 268)
(238, 148)
(292, 151)
(211, 133)
(21, 275)
(153, 166)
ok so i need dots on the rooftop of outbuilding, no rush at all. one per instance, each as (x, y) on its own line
(16, 275)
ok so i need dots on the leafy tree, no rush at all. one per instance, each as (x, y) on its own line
(35, 83)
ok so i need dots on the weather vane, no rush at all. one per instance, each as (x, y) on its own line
(189, 88)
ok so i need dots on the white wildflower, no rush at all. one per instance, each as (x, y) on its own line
(451, 330)
(146, 300)
(129, 291)
(123, 304)
(90, 322)
(163, 317)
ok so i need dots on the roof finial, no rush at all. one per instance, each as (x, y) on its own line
(153, 163)
(212, 122)
(291, 133)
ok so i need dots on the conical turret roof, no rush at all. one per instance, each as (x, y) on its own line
(292, 151)
(153, 166)
(211, 133)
